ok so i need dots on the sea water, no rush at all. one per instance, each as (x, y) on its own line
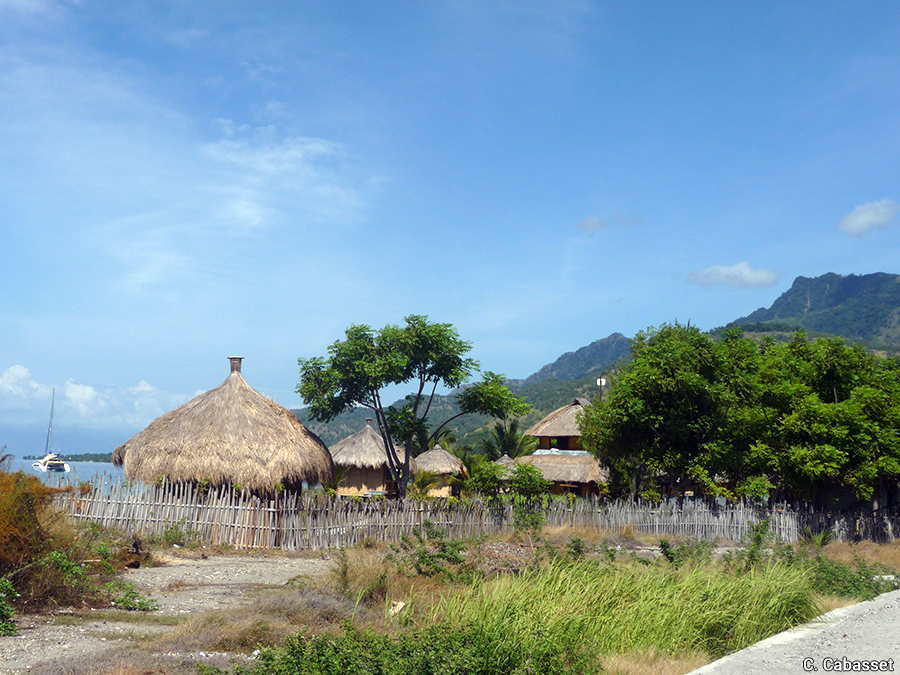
(81, 472)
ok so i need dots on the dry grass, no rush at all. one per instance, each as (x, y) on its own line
(828, 603)
(126, 661)
(651, 662)
(886, 554)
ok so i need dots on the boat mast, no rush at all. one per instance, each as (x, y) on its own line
(50, 426)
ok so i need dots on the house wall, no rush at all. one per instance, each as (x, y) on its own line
(580, 489)
(359, 481)
(443, 488)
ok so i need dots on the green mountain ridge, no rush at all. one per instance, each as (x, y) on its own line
(864, 309)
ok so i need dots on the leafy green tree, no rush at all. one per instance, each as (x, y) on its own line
(485, 477)
(506, 439)
(663, 409)
(423, 353)
(814, 419)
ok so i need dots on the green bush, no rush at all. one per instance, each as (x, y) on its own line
(7, 593)
(832, 577)
(428, 552)
(435, 650)
(123, 595)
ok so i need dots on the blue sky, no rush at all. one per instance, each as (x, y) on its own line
(185, 181)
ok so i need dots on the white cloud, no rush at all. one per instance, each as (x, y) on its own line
(24, 401)
(595, 223)
(867, 216)
(17, 382)
(741, 275)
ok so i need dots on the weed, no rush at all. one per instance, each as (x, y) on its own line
(442, 648)
(698, 552)
(343, 571)
(427, 552)
(7, 593)
(123, 595)
(577, 548)
(175, 534)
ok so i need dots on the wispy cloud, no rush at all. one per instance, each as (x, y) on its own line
(741, 275)
(595, 223)
(23, 400)
(868, 216)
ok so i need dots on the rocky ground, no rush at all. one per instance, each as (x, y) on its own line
(184, 582)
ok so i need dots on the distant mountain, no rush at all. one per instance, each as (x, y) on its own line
(597, 357)
(863, 307)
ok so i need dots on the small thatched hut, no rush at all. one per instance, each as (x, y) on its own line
(364, 457)
(577, 472)
(443, 465)
(229, 435)
(505, 461)
(559, 430)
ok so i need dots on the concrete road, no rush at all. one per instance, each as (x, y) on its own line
(861, 638)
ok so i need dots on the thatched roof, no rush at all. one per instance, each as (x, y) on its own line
(561, 422)
(568, 468)
(365, 449)
(506, 460)
(230, 434)
(440, 462)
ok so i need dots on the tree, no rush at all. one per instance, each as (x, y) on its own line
(423, 353)
(662, 412)
(506, 439)
(818, 420)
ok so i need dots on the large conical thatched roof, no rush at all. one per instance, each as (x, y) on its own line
(561, 422)
(365, 449)
(568, 469)
(440, 462)
(230, 434)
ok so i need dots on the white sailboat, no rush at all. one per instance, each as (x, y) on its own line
(51, 461)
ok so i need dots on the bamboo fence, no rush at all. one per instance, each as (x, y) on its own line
(220, 516)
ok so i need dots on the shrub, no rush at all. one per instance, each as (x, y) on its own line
(435, 650)
(428, 552)
(7, 593)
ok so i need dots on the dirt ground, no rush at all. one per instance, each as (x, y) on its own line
(185, 582)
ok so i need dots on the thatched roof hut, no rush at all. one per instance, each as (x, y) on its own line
(560, 428)
(506, 461)
(579, 473)
(440, 462)
(442, 465)
(229, 435)
(364, 456)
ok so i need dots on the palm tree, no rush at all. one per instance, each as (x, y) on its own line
(506, 439)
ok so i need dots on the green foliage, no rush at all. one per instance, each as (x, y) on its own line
(71, 572)
(506, 439)
(852, 306)
(605, 608)
(528, 486)
(175, 534)
(7, 593)
(832, 577)
(527, 482)
(698, 552)
(441, 649)
(485, 478)
(576, 548)
(428, 552)
(740, 418)
(421, 353)
(123, 595)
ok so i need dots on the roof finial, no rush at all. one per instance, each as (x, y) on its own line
(235, 363)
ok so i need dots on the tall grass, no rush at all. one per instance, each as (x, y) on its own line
(619, 608)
